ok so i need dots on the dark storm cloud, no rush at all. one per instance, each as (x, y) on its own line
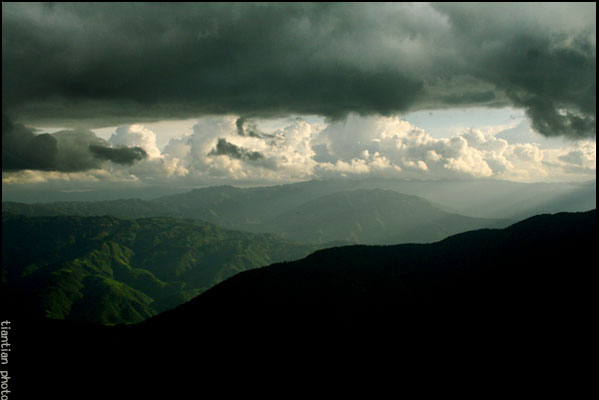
(119, 155)
(247, 127)
(239, 124)
(224, 148)
(64, 151)
(541, 56)
(129, 62)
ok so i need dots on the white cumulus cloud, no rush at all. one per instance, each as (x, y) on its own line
(293, 149)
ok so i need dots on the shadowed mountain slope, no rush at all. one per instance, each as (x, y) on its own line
(536, 266)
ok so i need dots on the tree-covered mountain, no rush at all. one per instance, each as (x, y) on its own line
(109, 270)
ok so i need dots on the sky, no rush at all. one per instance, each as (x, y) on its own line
(196, 94)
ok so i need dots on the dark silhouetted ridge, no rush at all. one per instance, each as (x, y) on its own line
(537, 264)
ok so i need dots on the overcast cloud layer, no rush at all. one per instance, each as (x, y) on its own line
(90, 65)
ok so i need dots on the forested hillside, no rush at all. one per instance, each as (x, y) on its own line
(108, 270)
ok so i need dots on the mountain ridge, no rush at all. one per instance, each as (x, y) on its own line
(550, 238)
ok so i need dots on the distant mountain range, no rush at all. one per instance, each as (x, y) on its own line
(373, 216)
(484, 198)
(520, 294)
(109, 270)
(297, 212)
